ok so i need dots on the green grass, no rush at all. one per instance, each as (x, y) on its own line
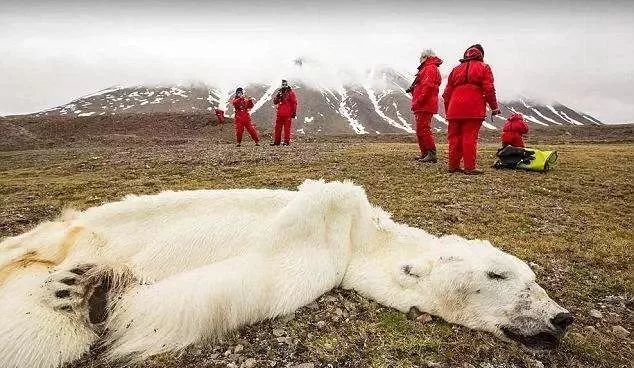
(574, 223)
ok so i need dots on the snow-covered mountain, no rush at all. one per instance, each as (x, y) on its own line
(377, 105)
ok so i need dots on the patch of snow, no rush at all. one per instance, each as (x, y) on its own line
(591, 118)
(489, 126)
(529, 117)
(87, 114)
(398, 114)
(575, 122)
(545, 117)
(264, 99)
(301, 131)
(144, 103)
(347, 114)
(442, 119)
(309, 119)
(375, 102)
(102, 92)
(178, 92)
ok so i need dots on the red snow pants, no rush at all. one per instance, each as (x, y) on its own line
(243, 121)
(282, 122)
(424, 133)
(462, 135)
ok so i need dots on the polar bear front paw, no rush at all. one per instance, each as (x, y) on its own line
(74, 292)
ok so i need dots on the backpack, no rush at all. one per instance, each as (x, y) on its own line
(530, 159)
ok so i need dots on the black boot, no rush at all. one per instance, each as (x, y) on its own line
(430, 157)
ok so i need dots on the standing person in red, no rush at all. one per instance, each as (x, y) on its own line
(514, 128)
(425, 103)
(469, 89)
(242, 105)
(286, 103)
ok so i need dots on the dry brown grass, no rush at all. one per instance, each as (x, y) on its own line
(574, 223)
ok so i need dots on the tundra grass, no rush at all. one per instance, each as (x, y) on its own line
(573, 225)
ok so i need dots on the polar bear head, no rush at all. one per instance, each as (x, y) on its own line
(472, 283)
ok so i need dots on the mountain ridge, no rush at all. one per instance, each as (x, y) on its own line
(377, 105)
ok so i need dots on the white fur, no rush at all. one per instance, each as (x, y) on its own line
(200, 263)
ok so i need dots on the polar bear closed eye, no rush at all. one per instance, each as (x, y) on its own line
(152, 274)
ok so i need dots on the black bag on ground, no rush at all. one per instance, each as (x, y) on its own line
(531, 159)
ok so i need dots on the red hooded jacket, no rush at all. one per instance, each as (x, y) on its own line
(513, 130)
(286, 102)
(426, 86)
(469, 88)
(515, 124)
(242, 105)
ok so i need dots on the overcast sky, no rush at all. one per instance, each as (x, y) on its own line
(579, 53)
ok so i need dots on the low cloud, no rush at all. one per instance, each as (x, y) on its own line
(55, 52)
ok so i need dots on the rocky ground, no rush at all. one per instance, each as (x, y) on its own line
(572, 225)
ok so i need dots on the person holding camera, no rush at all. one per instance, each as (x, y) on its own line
(469, 89)
(424, 92)
(242, 105)
(286, 103)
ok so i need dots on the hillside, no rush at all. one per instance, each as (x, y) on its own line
(377, 105)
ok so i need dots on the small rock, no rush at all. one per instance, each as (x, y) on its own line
(278, 332)
(285, 340)
(249, 363)
(232, 365)
(534, 363)
(424, 318)
(590, 329)
(620, 331)
(433, 365)
(304, 365)
(227, 353)
(596, 314)
(287, 318)
(468, 365)
(413, 313)
(321, 325)
(238, 348)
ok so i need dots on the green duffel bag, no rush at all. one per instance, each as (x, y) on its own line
(541, 160)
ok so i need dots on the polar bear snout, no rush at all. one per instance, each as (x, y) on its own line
(539, 333)
(562, 320)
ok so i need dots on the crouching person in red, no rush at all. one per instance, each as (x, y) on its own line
(469, 89)
(425, 103)
(220, 116)
(243, 105)
(513, 131)
(286, 103)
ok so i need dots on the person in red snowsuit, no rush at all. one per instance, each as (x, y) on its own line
(425, 103)
(242, 105)
(220, 115)
(469, 89)
(286, 102)
(513, 130)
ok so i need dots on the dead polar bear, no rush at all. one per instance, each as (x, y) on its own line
(151, 274)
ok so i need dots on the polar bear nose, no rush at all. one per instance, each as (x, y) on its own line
(562, 320)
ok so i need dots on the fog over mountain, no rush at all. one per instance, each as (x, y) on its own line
(577, 53)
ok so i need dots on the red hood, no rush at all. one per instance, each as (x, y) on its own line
(516, 117)
(431, 60)
(473, 53)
